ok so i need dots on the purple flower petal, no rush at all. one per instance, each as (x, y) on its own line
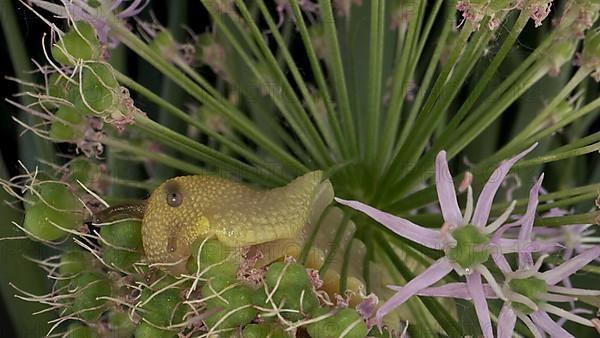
(543, 320)
(484, 202)
(533, 328)
(367, 307)
(571, 266)
(444, 185)
(405, 228)
(499, 259)
(514, 245)
(506, 321)
(562, 313)
(481, 307)
(432, 274)
(528, 218)
(134, 9)
(573, 291)
(452, 290)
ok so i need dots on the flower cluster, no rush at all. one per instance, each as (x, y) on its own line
(469, 241)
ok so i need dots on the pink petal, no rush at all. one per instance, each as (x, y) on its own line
(528, 218)
(444, 185)
(432, 274)
(506, 321)
(452, 290)
(571, 266)
(477, 294)
(501, 261)
(484, 202)
(543, 320)
(514, 245)
(405, 228)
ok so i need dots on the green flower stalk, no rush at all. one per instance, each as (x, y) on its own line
(226, 225)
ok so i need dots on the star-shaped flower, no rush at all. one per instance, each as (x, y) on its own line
(528, 293)
(467, 239)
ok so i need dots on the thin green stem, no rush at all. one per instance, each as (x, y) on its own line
(403, 72)
(337, 70)
(271, 88)
(298, 78)
(238, 120)
(319, 77)
(373, 112)
(589, 218)
(158, 157)
(231, 143)
(207, 154)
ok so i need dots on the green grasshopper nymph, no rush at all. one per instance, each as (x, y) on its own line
(184, 209)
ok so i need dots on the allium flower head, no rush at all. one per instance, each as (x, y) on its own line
(467, 240)
(527, 291)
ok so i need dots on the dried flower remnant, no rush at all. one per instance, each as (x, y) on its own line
(466, 239)
(476, 11)
(343, 7)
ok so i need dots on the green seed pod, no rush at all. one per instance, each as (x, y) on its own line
(80, 331)
(294, 276)
(99, 87)
(264, 330)
(591, 45)
(126, 234)
(292, 287)
(120, 325)
(164, 308)
(124, 244)
(59, 87)
(214, 257)
(163, 42)
(237, 311)
(74, 261)
(465, 253)
(345, 323)
(90, 286)
(80, 43)
(145, 330)
(68, 125)
(65, 211)
(83, 170)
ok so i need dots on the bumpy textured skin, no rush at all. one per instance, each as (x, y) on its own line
(233, 212)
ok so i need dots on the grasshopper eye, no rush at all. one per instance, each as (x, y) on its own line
(174, 196)
(174, 199)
